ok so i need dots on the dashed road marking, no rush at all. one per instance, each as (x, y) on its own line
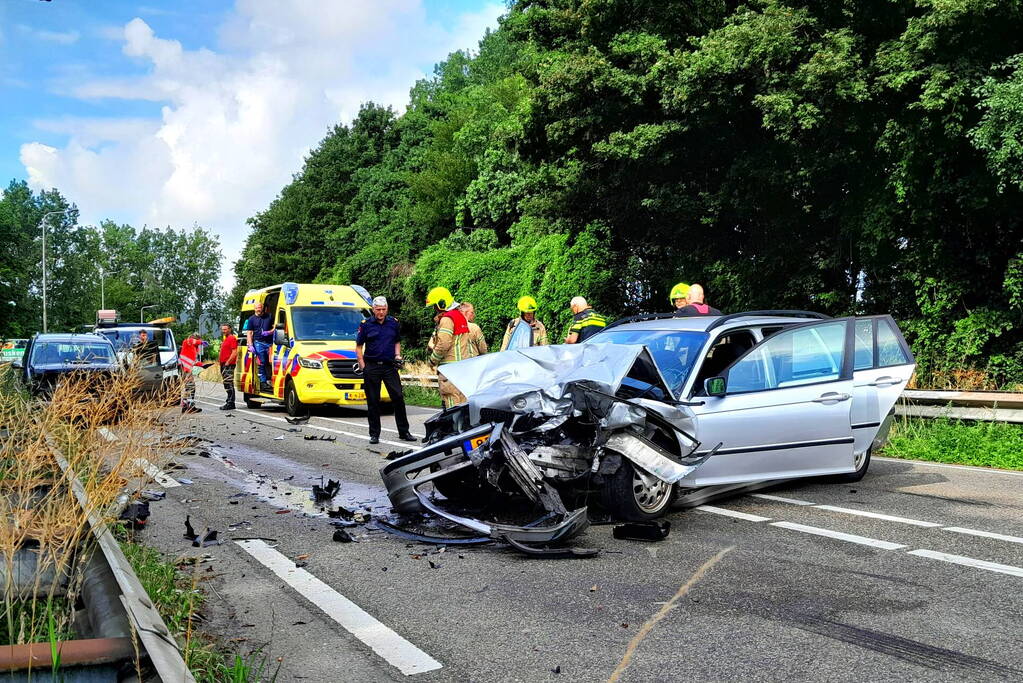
(877, 515)
(984, 534)
(953, 467)
(851, 538)
(157, 474)
(969, 562)
(731, 513)
(394, 649)
(364, 426)
(781, 499)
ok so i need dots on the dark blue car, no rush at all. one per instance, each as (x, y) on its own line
(49, 357)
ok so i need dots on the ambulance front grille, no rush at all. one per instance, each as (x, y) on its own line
(343, 369)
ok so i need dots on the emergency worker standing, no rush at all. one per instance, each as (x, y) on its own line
(449, 342)
(477, 342)
(696, 305)
(679, 297)
(534, 334)
(189, 358)
(378, 350)
(227, 360)
(259, 330)
(585, 321)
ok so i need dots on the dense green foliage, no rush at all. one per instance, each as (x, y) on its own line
(840, 155)
(983, 444)
(170, 272)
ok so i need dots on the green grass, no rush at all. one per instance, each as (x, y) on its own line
(427, 397)
(178, 598)
(36, 621)
(982, 444)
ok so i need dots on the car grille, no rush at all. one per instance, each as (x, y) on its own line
(343, 369)
(492, 415)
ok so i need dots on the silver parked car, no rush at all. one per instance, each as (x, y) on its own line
(654, 407)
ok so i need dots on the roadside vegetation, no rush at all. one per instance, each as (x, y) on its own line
(176, 590)
(982, 444)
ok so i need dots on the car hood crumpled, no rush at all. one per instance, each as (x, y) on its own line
(536, 379)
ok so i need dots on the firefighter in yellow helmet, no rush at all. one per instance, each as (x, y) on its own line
(533, 333)
(449, 342)
(679, 296)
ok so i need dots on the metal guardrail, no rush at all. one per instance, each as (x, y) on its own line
(157, 639)
(429, 381)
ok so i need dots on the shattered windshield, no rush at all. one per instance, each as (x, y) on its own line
(675, 352)
(316, 322)
(56, 353)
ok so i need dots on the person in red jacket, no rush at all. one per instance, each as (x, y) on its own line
(188, 358)
(228, 358)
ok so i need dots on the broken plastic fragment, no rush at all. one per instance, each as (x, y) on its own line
(655, 530)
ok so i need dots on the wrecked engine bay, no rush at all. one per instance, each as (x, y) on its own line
(566, 427)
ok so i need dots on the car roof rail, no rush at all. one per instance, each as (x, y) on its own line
(750, 314)
(639, 318)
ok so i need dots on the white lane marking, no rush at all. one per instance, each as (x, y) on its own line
(985, 534)
(951, 467)
(107, 434)
(157, 474)
(326, 429)
(397, 651)
(969, 562)
(851, 538)
(877, 515)
(364, 426)
(780, 499)
(731, 513)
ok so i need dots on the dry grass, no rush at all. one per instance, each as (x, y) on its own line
(45, 525)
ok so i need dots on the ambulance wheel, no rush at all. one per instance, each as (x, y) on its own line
(294, 407)
(251, 403)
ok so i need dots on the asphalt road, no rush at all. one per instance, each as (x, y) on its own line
(892, 578)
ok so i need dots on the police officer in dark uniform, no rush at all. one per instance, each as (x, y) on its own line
(378, 348)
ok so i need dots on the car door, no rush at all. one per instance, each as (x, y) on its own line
(882, 367)
(786, 410)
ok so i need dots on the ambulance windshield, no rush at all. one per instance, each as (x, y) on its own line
(316, 322)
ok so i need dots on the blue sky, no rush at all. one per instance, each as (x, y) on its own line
(191, 112)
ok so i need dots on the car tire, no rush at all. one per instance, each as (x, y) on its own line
(632, 495)
(861, 469)
(294, 406)
(250, 402)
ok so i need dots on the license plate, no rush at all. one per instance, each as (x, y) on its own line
(355, 395)
(475, 442)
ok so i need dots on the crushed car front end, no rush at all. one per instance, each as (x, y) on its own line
(562, 426)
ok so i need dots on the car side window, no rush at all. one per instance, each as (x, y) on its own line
(889, 349)
(864, 349)
(791, 358)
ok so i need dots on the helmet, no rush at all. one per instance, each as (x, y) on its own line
(679, 291)
(527, 304)
(440, 297)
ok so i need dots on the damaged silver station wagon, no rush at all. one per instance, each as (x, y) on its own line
(655, 407)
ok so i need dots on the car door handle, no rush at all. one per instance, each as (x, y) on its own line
(832, 397)
(886, 381)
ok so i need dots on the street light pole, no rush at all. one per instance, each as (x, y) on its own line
(143, 309)
(42, 225)
(102, 285)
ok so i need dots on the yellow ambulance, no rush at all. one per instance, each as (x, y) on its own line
(312, 357)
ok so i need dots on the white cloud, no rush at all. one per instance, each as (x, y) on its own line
(237, 120)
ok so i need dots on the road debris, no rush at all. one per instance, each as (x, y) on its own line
(320, 437)
(654, 530)
(324, 493)
(342, 536)
(206, 538)
(136, 514)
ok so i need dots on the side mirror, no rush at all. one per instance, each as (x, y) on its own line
(16, 364)
(714, 386)
(280, 339)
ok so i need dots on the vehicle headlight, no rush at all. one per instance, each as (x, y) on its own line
(311, 364)
(171, 364)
